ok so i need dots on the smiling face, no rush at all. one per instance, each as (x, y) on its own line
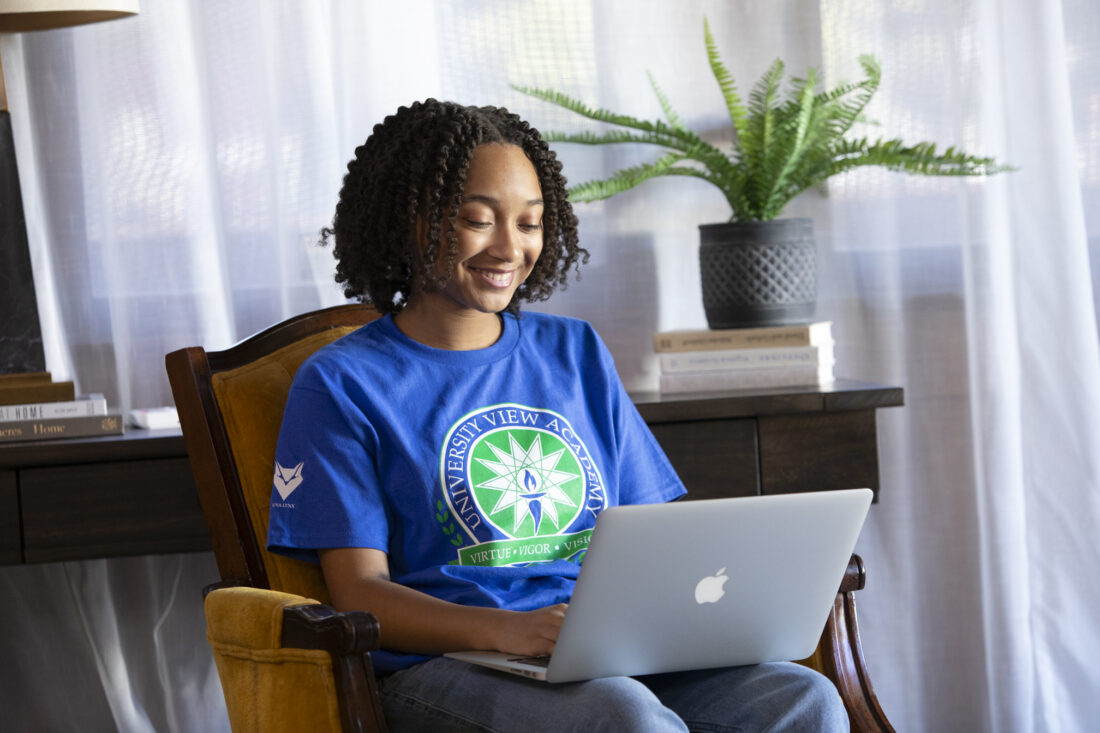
(498, 228)
(498, 233)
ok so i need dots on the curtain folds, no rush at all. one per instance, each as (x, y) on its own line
(177, 167)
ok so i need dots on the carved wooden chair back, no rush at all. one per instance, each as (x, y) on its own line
(231, 407)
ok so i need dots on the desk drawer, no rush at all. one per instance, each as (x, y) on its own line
(109, 509)
(714, 458)
(11, 551)
(817, 452)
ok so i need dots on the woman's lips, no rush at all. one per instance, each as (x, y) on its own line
(495, 278)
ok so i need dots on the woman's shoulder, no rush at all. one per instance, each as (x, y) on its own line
(562, 334)
(351, 352)
(536, 322)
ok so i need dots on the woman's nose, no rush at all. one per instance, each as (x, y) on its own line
(506, 244)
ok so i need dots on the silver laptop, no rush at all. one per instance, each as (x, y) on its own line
(701, 584)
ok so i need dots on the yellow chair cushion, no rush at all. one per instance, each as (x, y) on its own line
(268, 689)
(252, 398)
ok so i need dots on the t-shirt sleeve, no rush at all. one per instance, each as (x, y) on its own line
(645, 474)
(325, 491)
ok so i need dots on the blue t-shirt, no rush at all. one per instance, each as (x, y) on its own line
(479, 473)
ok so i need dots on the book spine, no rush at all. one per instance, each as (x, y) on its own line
(24, 378)
(91, 405)
(27, 393)
(679, 382)
(707, 361)
(64, 427)
(810, 334)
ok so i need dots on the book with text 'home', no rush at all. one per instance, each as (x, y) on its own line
(93, 404)
(714, 381)
(808, 334)
(766, 358)
(62, 427)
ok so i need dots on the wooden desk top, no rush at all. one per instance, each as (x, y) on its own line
(134, 444)
(133, 493)
(843, 394)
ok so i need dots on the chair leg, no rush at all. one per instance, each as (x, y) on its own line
(360, 701)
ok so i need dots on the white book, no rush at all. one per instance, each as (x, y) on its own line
(93, 404)
(806, 334)
(792, 376)
(706, 361)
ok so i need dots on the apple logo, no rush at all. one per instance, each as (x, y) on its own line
(709, 589)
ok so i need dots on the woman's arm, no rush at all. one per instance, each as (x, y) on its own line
(411, 621)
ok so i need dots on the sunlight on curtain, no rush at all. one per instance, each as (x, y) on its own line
(176, 169)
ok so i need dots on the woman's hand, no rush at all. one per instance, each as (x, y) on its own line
(358, 579)
(528, 633)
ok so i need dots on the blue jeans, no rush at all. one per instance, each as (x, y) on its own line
(447, 695)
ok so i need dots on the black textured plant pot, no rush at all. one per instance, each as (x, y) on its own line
(758, 273)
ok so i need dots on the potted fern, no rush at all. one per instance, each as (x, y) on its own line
(758, 269)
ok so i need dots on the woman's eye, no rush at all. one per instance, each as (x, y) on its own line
(531, 227)
(476, 223)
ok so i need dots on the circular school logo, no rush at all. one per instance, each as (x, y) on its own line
(522, 485)
(526, 482)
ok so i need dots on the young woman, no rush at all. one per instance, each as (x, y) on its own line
(454, 454)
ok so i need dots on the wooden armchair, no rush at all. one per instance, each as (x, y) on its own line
(287, 661)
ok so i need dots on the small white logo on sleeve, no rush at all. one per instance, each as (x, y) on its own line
(287, 479)
(709, 589)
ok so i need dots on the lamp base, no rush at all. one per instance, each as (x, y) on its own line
(20, 332)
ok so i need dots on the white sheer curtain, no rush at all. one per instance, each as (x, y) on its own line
(177, 166)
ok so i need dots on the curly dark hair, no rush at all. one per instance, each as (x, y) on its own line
(414, 165)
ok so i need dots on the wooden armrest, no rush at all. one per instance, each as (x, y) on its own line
(317, 626)
(348, 637)
(855, 577)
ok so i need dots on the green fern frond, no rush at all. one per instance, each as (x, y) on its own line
(920, 158)
(793, 147)
(623, 180)
(758, 144)
(736, 109)
(575, 105)
(666, 136)
(732, 193)
(661, 134)
(666, 107)
(588, 137)
(853, 111)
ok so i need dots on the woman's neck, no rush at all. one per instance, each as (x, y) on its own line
(446, 328)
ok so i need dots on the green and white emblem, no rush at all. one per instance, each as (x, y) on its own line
(521, 484)
(527, 481)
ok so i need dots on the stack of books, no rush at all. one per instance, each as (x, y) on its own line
(34, 407)
(745, 358)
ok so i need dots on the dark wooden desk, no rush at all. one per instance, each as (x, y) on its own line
(772, 441)
(77, 499)
(134, 495)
